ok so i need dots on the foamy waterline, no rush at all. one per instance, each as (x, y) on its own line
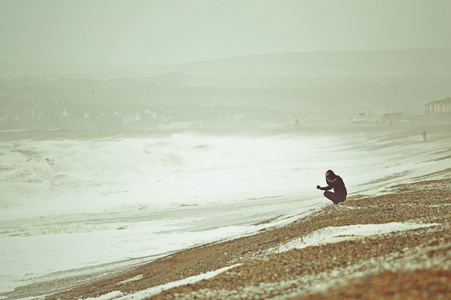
(74, 203)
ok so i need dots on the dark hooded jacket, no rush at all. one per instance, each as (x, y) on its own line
(335, 182)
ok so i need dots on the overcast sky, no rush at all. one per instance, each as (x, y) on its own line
(168, 31)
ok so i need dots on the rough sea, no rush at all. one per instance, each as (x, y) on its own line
(74, 203)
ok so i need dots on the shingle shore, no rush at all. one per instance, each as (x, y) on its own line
(410, 264)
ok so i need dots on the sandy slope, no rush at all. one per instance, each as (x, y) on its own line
(409, 263)
(414, 263)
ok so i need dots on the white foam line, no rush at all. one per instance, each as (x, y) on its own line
(117, 295)
(109, 296)
(343, 233)
(136, 278)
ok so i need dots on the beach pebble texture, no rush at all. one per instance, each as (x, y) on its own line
(404, 264)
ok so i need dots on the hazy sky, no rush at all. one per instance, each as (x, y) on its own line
(168, 31)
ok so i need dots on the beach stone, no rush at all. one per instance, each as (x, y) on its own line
(376, 266)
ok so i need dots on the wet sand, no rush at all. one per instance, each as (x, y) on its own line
(411, 264)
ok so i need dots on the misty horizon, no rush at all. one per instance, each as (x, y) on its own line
(277, 90)
(174, 32)
(131, 130)
(215, 59)
(264, 63)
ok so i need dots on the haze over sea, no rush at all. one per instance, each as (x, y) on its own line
(73, 201)
(147, 127)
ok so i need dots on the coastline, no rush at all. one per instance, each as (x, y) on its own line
(346, 129)
(408, 263)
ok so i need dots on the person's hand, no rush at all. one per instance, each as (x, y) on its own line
(318, 187)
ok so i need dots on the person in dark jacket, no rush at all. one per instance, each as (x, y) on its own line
(334, 182)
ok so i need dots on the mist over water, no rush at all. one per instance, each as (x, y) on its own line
(129, 131)
(83, 202)
(152, 172)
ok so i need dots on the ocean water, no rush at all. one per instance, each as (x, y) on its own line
(80, 202)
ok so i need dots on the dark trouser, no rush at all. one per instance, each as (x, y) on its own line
(336, 198)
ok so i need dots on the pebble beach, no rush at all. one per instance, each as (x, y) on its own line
(401, 264)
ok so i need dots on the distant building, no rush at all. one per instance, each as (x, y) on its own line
(365, 117)
(392, 117)
(439, 107)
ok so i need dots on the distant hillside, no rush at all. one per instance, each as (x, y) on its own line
(415, 63)
(77, 71)
(331, 84)
(381, 63)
